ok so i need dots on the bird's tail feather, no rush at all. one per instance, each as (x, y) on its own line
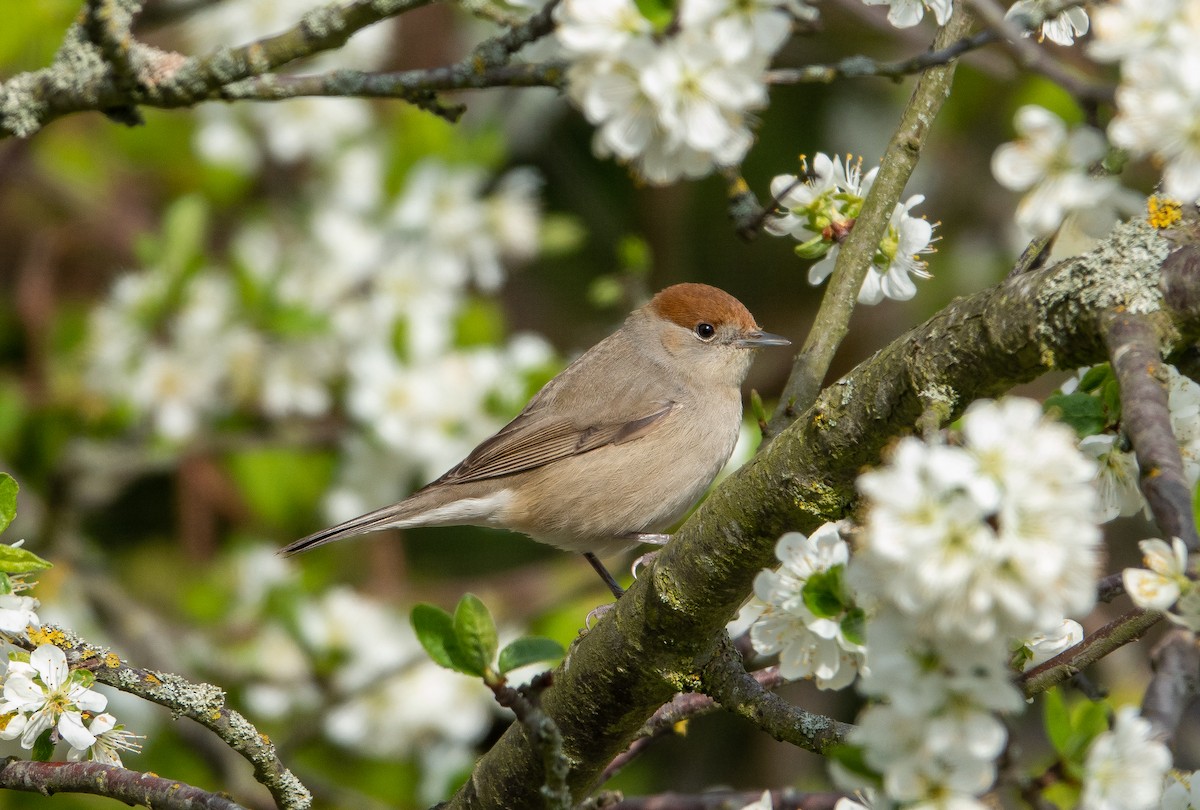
(388, 516)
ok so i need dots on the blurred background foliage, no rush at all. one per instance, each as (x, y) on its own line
(161, 505)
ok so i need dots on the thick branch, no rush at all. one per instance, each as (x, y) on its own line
(131, 787)
(663, 630)
(203, 703)
(1133, 346)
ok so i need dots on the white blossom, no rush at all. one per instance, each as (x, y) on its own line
(17, 613)
(1053, 165)
(112, 739)
(1181, 791)
(1061, 28)
(907, 13)
(1045, 645)
(1124, 768)
(809, 645)
(45, 694)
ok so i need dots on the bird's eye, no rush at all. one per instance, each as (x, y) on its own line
(705, 331)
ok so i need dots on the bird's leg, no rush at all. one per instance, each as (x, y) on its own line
(652, 539)
(617, 590)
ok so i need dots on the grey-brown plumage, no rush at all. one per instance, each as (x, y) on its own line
(622, 442)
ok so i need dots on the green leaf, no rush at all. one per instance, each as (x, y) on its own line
(853, 759)
(480, 322)
(435, 630)
(1110, 395)
(20, 561)
(43, 749)
(1072, 729)
(854, 626)
(475, 635)
(658, 12)
(1056, 720)
(823, 593)
(1096, 376)
(8, 500)
(1083, 412)
(529, 650)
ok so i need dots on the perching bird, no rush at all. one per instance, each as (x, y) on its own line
(613, 450)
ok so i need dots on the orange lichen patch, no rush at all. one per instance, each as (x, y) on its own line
(152, 679)
(41, 635)
(112, 660)
(266, 740)
(1163, 212)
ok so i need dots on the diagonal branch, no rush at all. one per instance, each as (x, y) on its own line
(662, 630)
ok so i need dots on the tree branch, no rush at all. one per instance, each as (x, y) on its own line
(131, 787)
(1133, 347)
(1176, 681)
(1073, 660)
(854, 260)
(203, 703)
(661, 632)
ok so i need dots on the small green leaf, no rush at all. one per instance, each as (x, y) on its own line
(43, 749)
(8, 500)
(435, 630)
(475, 634)
(1083, 412)
(854, 626)
(528, 650)
(20, 561)
(823, 593)
(1110, 395)
(853, 759)
(1096, 376)
(1056, 720)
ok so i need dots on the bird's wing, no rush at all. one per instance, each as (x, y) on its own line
(527, 443)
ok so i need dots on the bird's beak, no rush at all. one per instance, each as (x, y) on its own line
(757, 339)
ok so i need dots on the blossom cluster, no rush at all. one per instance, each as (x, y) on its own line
(355, 665)
(820, 207)
(44, 700)
(1055, 165)
(672, 103)
(966, 547)
(1158, 99)
(382, 279)
(805, 612)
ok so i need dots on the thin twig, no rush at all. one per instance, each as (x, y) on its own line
(543, 733)
(131, 787)
(1063, 666)
(202, 702)
(684, 706)
(725, 680)
(854, 260)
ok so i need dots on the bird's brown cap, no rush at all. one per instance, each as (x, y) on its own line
(689, 304)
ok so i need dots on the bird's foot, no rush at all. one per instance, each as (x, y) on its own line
(596, 614)
(645, 559)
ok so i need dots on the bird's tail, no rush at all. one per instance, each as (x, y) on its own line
(397, 515)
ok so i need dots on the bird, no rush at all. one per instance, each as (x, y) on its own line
(613, 450)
